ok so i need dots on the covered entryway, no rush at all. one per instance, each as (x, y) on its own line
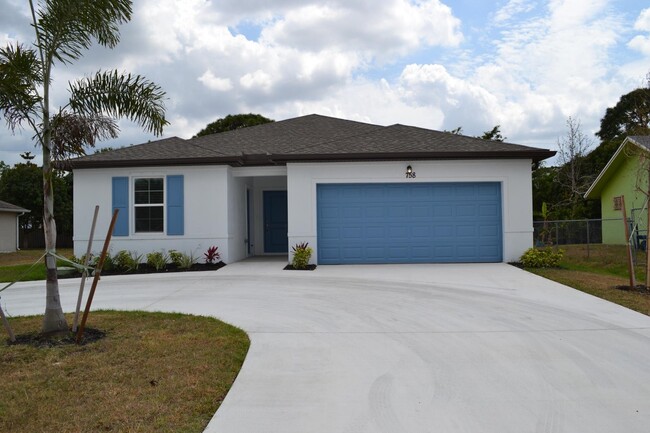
(409, 223)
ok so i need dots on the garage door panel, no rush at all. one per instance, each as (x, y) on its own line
(466, 210)
(409, 223)
(466, 252)
(354, 232)
(352, 212)
(331, 234)
(398, 212)
(488, 210)
(423, 252)
(420, 211)
(419, 231)
(352, 253)
(399, 233)
(442, 211)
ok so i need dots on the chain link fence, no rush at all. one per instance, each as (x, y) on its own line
(587, 231)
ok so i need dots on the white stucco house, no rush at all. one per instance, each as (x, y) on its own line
(357, 192)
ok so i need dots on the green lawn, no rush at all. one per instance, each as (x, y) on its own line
(14, 265)
(152, 372)
(598, 271)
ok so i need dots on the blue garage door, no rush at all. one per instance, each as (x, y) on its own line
(409, 223)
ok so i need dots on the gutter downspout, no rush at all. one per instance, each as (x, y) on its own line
(18, 230)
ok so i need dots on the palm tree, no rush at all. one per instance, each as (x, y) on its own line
(64, 29)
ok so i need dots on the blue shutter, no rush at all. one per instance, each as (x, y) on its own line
(121, 202)
(175, 211)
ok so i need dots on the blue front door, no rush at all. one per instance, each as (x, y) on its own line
(275, 222)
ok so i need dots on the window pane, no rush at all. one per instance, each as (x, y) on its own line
(149, 191)
(141, 197)
(149, 219)
(142, 184)
(156, 197)
(156, 184)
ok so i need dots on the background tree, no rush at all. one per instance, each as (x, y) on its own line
(494, 134)
(571, 176)
(232, 122)
(22, 185)
(630, 116)
(63, 30)
(455, 131)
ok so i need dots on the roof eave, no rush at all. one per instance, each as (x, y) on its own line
(281, 159)
(594, 190)
(21, 211)
(230, 160)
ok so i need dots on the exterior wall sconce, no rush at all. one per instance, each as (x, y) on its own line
(410, 174)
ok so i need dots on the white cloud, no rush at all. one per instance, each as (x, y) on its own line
(390, 61)
(215, 83)
(256, 80)
(377, 29)
(643, 21)
(641, 44)
(546, 68)
(511, 9)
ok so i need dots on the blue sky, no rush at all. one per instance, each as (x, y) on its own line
(525, 65)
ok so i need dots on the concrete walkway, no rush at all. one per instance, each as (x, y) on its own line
(409, 348)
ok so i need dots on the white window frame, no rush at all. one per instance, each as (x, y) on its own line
(163, 205)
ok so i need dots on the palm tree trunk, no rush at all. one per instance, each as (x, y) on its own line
(53, 320)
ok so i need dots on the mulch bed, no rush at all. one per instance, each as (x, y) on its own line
(639, 288)
(291, 268)
(146, 269)
(41, 341)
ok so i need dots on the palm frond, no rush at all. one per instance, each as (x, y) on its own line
(68, 27)
(120, 95)
(72, 133)
(20, 75)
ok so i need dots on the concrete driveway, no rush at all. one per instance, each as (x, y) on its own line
(409, 348)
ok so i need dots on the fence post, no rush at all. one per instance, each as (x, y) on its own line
(588, 239)
(557, 233)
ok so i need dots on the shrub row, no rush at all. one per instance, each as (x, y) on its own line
(130, 261)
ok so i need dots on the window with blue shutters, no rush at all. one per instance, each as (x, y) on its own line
(158, 205)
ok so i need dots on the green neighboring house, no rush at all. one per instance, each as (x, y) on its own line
(623, 176)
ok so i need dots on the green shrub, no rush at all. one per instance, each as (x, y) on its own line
(109, 263)
(94, 260)
(127, 261)
(157, 260)
(175, 257)
(185, 261)
(301, 255)
(542, 258)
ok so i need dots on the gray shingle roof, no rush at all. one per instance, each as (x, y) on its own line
(8, 207)
(309, 138)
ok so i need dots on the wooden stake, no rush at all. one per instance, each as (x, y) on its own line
(647, 235)
(630, 262)
(12, 337)
(84, 275)
(98, 271)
